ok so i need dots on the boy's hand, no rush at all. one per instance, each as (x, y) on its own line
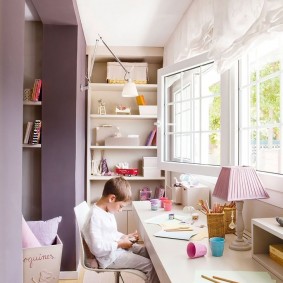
(124, 243)
(133, 237)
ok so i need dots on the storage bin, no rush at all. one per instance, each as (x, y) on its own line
(148, 110)
(192, 195)
(151, 172)
(42, 264)
(116, 74)
(215, 225)
(122, 141)
(228, 218)
(150, 161)
(103, 132)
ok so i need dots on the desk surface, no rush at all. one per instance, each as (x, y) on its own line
(169, 256)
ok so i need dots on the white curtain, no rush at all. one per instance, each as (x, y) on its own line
(193, 34)
(224, 28)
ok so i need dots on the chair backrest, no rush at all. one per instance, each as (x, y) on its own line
(81, 212)
(87, 259)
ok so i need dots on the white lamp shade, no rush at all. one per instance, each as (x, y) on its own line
(130, 89)
(239, 183)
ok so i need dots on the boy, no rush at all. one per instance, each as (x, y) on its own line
(111, 248)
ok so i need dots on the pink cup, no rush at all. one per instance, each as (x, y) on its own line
(167, 204)
(162, 201)
(195, 250)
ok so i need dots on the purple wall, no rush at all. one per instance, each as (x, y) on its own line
(11, 116)
(63, 116)
(59, 133)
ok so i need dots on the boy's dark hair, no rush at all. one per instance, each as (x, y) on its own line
(119, 187)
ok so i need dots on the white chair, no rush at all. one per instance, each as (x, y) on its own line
(88, 260)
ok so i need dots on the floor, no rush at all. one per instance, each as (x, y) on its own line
(92, 277)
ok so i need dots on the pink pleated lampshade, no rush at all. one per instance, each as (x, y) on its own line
(239, 183)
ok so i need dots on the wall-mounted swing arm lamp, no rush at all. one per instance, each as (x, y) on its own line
(129, 89)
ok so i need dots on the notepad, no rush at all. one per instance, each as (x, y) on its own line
(180, 235)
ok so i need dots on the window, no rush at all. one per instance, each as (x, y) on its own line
(261, 107)
(208, 120)
(190, 118)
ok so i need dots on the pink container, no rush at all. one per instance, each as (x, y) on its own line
(195, 250)
(162, 200)
(167, 204)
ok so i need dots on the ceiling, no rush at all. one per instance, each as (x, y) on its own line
(146, 23)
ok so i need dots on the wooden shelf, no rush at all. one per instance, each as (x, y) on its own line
(122, 147)
(32, 103)
(133, 178)
(123, 117)
(119, 87)
(31, 145)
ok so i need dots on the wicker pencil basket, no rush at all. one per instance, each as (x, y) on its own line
(229, 215)
(215, 224)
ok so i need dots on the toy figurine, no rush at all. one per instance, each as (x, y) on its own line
(101, 107)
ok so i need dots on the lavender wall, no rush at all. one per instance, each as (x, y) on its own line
(11, 115)
(59, 132)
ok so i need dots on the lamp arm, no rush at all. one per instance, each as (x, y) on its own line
(117, 59)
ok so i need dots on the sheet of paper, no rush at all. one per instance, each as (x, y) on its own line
(164, 218)
(238, 276)
(180, 235)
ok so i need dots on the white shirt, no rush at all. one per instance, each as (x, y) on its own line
(101, 235)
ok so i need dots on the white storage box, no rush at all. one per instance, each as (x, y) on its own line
(122, 141)
(150, 161)
(42, 264)
(148, 110)
(151, 172)
(192, 195)
(103, 132)
(116, 74)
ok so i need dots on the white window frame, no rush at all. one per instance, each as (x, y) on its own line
(199, 169)
(229, 130)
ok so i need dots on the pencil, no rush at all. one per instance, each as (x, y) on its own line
(224, 279)
(178, 229)
(210, 279)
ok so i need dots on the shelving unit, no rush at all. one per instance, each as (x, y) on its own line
(128, 124)
(32, 112)
(31, 164)
(266, 231)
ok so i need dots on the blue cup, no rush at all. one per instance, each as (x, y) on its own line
(217, 246)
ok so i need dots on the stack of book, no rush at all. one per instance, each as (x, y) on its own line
(32, 133)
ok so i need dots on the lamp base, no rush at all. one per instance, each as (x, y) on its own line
(240, 245)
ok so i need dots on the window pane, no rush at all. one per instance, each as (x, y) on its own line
(261, 108)
(192, 116)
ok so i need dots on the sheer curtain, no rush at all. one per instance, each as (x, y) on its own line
(224, 28)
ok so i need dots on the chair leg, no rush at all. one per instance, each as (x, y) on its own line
(117, 276)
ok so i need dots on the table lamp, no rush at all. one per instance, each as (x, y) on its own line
(239, 183)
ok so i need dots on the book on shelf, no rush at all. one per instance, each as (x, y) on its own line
(35, 134)
(140, 100)
(28, 132)
(150, 138)
(36, 89)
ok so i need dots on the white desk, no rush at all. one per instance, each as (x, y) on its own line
(169, 256)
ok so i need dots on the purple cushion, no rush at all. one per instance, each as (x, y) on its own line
(28, 238)
(45, 231)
